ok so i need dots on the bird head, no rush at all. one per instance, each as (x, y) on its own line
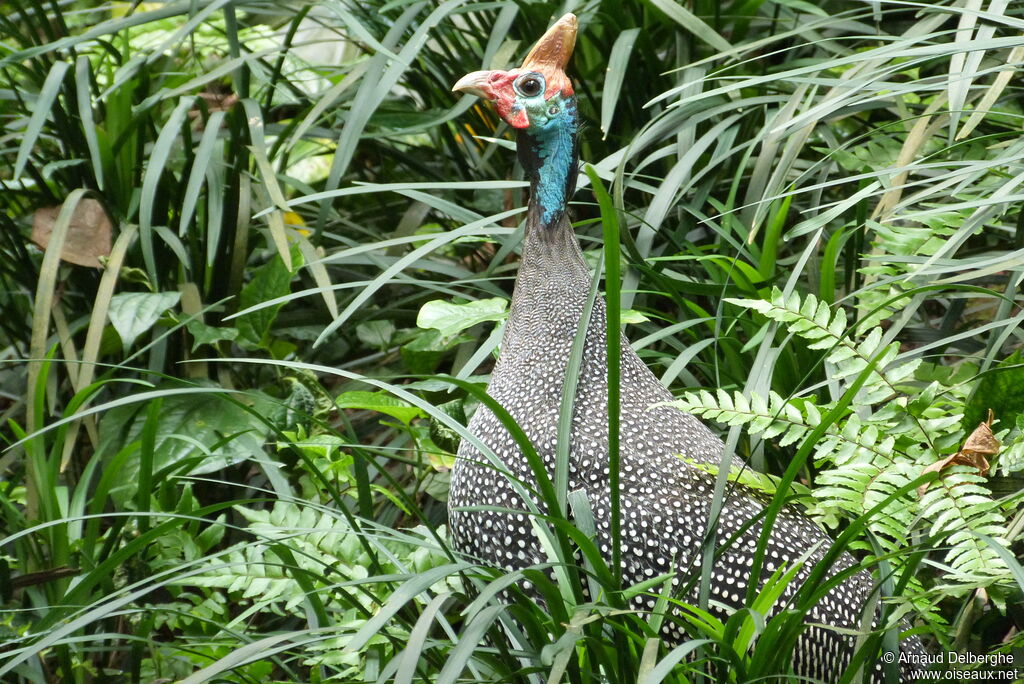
(538, 94)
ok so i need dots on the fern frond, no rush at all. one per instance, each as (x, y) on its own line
(323, 546)
(960, 506)
(814, 321)
(1011, 460)
(772, 419)
(870, 454)
(867, 469)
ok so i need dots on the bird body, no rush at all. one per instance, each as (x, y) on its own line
(665, 500)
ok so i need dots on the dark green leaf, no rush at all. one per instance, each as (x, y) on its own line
(271, 280)
(207, 427)
(208, 334)
(375, 334)
(379, 402)
(133, 313)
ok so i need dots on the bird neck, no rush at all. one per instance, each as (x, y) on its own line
(550, 293)
(550, 156)
(553, 279)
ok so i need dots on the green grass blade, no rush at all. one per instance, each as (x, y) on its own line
(41, 111)
(618, 63)
(151, 182)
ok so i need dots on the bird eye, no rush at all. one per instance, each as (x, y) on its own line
(530, 85)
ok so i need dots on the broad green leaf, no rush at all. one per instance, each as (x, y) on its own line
(632, 316)
(441, 434)
(299, 406)
(208, 427)
(375, 334)
(426, 350)
(270, 281)
(380, 402)
(450, 319)
(208, 334)
(133, 313)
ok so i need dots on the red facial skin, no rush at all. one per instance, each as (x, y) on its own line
(499, 90)
(497, 87)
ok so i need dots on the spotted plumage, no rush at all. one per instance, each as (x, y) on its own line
(664, 499)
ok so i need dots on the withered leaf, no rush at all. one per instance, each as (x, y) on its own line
(982, 442)
(979, 444)
(88, 235)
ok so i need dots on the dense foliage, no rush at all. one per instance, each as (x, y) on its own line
(254, 263)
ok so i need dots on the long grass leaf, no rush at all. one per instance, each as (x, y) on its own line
(151, 181)
(470, 637)
(391, 271)
(407, 591)
(618, 63)
(376, 86)
(692, 23)
(410, 657)
(982, 109)
(97, 324)
(40, 113)
(83, 79)
(566, 410)
(959, 79)
(44, 299)
(613, 353)
(667, 664)
(204, 155)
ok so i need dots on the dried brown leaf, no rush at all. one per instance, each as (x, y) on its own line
(979, 444)
(88, 236)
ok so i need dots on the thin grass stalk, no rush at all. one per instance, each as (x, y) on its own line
(563, 448)
(613, 354)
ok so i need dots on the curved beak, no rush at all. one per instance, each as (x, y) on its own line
(476, 83)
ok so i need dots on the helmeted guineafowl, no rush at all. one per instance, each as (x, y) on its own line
(665, 500)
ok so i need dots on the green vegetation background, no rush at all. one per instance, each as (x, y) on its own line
(255, 262)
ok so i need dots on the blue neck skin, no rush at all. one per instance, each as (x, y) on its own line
(549, 154)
